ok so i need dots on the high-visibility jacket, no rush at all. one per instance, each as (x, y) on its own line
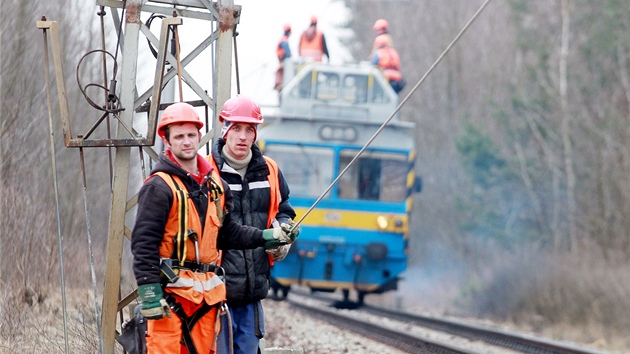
(274, 190)
(313, 48)
(193, 286)
(389, 61)
(260, 199)
(283, 50)
(157, 223)
(192, 289)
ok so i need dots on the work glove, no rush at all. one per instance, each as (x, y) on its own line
(279, 253)
(278, 236)
(292, 228)
(154, 306)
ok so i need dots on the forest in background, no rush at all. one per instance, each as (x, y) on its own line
(522, 145)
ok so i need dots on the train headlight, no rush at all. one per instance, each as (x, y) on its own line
(338, 132)
(382, 222)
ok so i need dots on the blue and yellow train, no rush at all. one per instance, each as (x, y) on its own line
(356, 238)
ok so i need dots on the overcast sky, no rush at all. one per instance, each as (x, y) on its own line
(261, 26)
(260, 29)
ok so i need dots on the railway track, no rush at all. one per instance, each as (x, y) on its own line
(415, 333)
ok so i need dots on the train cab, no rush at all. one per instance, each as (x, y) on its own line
(360, 182)
(347, 92)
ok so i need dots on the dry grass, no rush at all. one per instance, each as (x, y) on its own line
(32, 322)
(580, 299)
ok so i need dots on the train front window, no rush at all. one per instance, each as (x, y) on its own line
(354, 89)
(374, 176)
(327, 86)
(307, 169)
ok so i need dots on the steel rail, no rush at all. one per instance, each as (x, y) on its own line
(399, 339)
(500, 338)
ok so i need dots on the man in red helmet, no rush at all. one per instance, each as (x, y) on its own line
(183, 219)
(313, 43)
(261, 199)
(388, 60)
(381, 27)
(284, 52)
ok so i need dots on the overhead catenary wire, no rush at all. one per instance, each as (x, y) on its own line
(56, 189)
(400, 105)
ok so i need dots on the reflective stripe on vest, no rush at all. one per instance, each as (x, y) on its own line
(195, 287)
(313, 48)
(274, 187)
(274, 191)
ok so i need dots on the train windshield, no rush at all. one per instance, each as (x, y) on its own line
(376, 176)
(307, 169)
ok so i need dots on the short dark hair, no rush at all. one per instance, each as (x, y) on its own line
(167, 133)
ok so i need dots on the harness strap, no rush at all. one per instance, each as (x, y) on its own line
(179, 311)
(180, 249)
(188, 322)
(216, 190)
(173, 265)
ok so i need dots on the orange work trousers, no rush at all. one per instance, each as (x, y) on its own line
(164, 336)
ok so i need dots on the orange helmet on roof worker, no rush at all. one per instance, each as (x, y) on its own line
(313, 20)
(380, 25)
(287, 27)
(381, 41)
(180, 112)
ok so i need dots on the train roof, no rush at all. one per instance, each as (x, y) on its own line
(350, 92)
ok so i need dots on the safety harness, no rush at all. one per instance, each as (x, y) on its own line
(171, 267)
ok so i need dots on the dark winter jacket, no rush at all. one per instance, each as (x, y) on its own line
(247, 271)
(154, 203)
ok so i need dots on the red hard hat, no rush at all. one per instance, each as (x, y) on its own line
(381, 41)
(380, 25)
(287, 27)
(313, 20)
(180, 112)
(241, 109)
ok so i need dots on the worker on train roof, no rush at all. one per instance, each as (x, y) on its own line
(313, 43)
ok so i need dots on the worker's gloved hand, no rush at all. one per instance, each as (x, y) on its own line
(154, 306)
(292, 228)
(279, 253)
(276, 237)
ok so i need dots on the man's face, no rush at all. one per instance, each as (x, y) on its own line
(240, 139)
(183, 141)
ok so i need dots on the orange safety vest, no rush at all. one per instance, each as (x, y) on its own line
(389, 61)
(313, 48)
(279, 50)
(194, 286)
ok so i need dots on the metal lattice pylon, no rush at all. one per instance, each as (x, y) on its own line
(129, 102)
